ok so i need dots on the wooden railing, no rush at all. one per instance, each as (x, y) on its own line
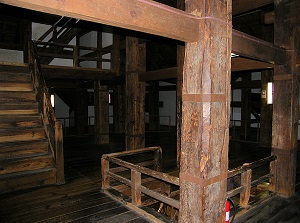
(76, 53)
(135, 183)
(53, 128)
(244, 174)
(138, 172)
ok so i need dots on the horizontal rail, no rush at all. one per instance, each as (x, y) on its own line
(152, 173)
(253, 165)
(132, 152)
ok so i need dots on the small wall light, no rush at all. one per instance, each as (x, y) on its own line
(52, 100)
(270, 93)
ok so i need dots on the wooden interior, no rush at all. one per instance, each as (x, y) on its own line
(201, 50)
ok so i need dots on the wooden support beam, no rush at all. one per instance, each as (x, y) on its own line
(135, 94)
(76, 73)
(286, 98)
(155, 75)
(205, 115)
(154, 106)
(246, 108)
(243, 64)
(101, 108)
(255, 48)
(129, 14)
(241, 6)
(81, 111)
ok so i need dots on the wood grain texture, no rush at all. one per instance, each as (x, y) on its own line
(204, 137)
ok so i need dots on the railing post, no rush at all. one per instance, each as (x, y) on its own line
(136, 194)
(76, 56)
(246, 182)
(104, 170)
(59, 153)
(158, 159)
(272, 179)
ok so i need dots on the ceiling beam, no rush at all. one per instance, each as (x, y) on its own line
(139, 15)
(257, 49)
(241, 6)
(76, 73)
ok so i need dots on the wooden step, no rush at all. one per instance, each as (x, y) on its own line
(15, 121)
(11, 77)
(16, 86)
(23, 148)
(27, 179)
(13, 165)
(22, 134)
(21, 109)
(17, 97)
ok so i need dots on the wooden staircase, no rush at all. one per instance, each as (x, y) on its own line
(26, 157)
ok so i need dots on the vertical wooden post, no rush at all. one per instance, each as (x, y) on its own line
(81, 111)
(285, 99)
(59, 153)
(154, 106)
(135, 94)
(101, 108)
(158, 159)
(75, 56)
(118, 99)
(245, 181)
(136, 181)
(205, 114)
(246, 107)
(180, 61)
(104, 169)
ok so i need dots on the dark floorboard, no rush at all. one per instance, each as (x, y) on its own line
(80, 198)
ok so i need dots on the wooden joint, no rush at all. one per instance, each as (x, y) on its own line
(204, 97)
(203, 182)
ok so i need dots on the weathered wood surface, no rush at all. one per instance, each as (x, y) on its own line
(285, 109)
(205, 110)
(101, 108)
(241, 6)
(135, 94)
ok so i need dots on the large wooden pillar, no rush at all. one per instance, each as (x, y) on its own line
(180, 61)
(101, 106)
(135, 94)
(205, 114)
(119, 95)
(285, 100)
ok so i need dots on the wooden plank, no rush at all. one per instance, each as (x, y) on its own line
(244, 64)
(246, 182)
(136, 180)
(59, 154)
(131, 14)
(75, 73)
(241, 6)
(205, 111)
(254, 48)
(162, 74)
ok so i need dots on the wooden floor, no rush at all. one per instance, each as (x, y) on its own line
(80, 198)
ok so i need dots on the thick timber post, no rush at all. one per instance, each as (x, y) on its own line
(101, 108)
(285, 100)
(180, 61)
(154, 106)
(135, 94)
(205, 114)
(81, 111)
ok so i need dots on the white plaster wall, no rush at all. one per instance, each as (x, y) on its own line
(11, 56)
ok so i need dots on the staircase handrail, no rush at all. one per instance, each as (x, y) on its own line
(53, 128)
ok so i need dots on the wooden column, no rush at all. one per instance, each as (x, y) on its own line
(180, 61)
(81, 111)
(266, 113)
(27, 36)
(285, 100)
(101, 106)
(154, 106)
(205, 114)
(246, 107)
(119, 95)
(135, 94)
